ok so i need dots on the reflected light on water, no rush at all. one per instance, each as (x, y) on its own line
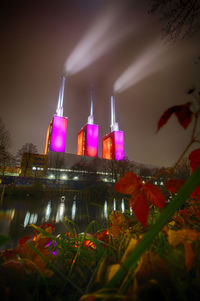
(30, 218)
(33, 218)
(73, 210)
(26, 219)
(123, 206)
(48, 211)
(114, 204)
(12, 214)
(106, 209)
(60, 212)
(7, 214)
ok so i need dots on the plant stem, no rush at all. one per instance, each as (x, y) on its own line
(192, 140)
(149, 237)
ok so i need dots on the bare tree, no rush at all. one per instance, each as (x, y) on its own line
(182, 171)
(7, 160)
(118, 168)
(5, 142)
(25, 152)
(180, 18)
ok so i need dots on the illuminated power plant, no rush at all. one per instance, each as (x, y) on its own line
(57, 129)
(113, 143)
(87, 144)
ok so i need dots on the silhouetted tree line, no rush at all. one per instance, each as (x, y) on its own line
(6, 158)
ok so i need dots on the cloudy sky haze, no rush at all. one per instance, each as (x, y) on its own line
(114, 45)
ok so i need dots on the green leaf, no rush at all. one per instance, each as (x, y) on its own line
(149, 237)
(4, 239)
(44, 232)
(63, 276)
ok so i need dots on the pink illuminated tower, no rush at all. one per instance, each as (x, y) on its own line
(113, 143)
(57, 129)
(87, 143)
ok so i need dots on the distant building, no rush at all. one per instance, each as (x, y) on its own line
(33, 165)
(10, 170)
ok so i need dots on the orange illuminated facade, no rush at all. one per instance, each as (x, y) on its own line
(107, 147)
(80, 143)
(48, 136)
(113, 146)
(87, 143)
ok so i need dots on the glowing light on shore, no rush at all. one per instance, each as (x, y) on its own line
(101, 37)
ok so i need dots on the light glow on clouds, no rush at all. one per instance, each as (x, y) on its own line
(143, 66)
(101, 37)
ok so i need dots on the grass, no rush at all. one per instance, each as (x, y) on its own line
(126, 261)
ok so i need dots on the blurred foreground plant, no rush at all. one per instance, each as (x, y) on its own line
(153, 258)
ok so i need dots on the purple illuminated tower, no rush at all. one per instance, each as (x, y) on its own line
(87, 143)
(113, 143)
(57, 129)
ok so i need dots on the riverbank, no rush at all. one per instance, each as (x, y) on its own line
(154, 256)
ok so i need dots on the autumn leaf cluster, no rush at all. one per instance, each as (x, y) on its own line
(142, 195)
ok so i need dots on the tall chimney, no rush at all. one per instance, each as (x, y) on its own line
(114, 125)
(91, 116)
(59, 110)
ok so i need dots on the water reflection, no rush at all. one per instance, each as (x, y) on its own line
(73, 210)
(26, 220)
(30, 219)
(33, 218)
(123, 206)
(106, 209)
(48, 211)
(16, 216)
(60, 212)
(114, 204)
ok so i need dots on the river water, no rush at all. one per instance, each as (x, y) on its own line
(75, 214)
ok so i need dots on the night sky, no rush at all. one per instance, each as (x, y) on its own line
(114, 45)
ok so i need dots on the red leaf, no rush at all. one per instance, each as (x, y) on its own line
(184, 114)
(165, 117)
(140, 207)
(24, 239)
(129, 183)
(154, 195)
(194, 158)
(189, 255)
(196, 193)
(174, 185)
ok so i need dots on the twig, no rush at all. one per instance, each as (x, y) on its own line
(192, 140)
